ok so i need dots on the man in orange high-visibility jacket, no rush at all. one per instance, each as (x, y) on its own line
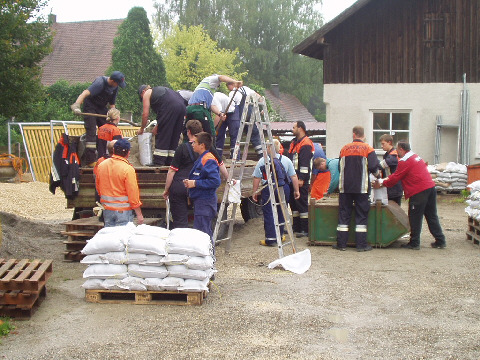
(118, 188)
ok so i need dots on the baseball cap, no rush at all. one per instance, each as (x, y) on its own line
(122, 144)
(119, 78)
(140, 90)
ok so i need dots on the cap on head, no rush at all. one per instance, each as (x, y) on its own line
(122, 144)
(119, 78)
(140, 90)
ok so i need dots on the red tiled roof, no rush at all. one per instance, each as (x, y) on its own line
(81, 51)
(289, 107)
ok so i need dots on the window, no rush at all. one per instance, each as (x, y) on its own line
(434, 30)
(396, 124)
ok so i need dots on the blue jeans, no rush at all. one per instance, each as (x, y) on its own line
(117, 218)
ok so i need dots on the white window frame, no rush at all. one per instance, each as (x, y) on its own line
(390, 131)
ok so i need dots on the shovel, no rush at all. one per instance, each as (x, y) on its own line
(105, 116)
(167, 214)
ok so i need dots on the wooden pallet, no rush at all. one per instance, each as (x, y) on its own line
(145, 297)
(80, 230)
(22, 286)
(473, 232)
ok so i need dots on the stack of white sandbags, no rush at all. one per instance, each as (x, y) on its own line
(473, 201)
(136, 259)
(449, 176)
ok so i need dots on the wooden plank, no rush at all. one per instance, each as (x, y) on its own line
(23, 311)
(25, 273)
(14, 272)
(6, 266)
(145, 297)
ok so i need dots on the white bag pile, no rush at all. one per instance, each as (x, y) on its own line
(473, 201)
(140, 258)
(449, 176)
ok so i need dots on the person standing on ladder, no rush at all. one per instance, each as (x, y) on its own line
(301, 153)
(169, 106)
(239, 97)
(101, 92)
(283, 170)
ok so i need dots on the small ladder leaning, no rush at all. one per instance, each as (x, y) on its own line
(259, 117)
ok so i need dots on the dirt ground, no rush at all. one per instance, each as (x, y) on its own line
(388, 303)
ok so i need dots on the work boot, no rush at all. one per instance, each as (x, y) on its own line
(336, 247)
(410, 246)
(366, 248)
(438, 245)
(301, 234)
(267, 243)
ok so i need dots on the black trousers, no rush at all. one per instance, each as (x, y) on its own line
(91, 123)
(345, 208)
(179, 204)
(300, 209)
(424, 204)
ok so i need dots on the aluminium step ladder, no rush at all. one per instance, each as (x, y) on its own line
(259, 117)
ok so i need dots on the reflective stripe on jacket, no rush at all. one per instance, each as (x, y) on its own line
(301, 153)
(117, 184)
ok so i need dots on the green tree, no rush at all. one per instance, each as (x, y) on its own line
(135, 56)
(264, 31)
(191, 55)
(24, 42)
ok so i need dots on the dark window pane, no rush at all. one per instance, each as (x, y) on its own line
(381, 121)
(400, 121)
(400, 136)
(376, 139)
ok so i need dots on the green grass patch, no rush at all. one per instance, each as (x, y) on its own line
(5, 326)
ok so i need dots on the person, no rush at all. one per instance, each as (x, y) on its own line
(239, 97)
(283, 168)
(326, 182)
(170, 109)
(108, 132)
(222, 101)
(388, 166)
(301, 153)
(117, 186)
(420, 189)
(202, 184)
(321, 178)
(357, 160)
(108, 154)
(200, 104)
(179, 170)
(101, 92)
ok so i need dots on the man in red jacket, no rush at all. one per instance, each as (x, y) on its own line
(419, 187)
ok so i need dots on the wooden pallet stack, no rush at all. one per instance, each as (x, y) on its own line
(473, 232)
(80, 230)
(22, 286)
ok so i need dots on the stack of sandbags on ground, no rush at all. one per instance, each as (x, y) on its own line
(107, 258)
(449, 176)
(473, 201)
(189, 260)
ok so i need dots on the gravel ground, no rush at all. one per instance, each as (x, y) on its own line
(385, 304)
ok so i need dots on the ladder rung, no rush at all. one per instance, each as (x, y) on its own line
(226, 221)
(220, 240)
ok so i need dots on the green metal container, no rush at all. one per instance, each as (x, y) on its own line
(386, 223)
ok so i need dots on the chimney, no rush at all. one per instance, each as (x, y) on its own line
(52, 18)
(275, 90)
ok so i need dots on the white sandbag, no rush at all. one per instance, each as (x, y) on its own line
(105, 271)
(154, 260)
(475, 186)
(235, 193)
(175, 259)
(124, 229)
(146, 244)
(112, 284)
(147, 271)
(182, 271)
(195, 285)
(104, 243)
(123, 258)
(145, 148)
(297, 263)
(153, 231)
(172, 283)
(132, 283)
(380, 194)
(93, 284)
(200, 262)
(456, 168)
(189, 242)
(94, 259)
(153, 284)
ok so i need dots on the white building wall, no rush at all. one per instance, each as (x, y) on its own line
(348, 105)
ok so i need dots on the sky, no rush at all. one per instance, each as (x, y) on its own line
(74, 10)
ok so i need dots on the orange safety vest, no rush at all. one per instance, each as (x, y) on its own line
(117, 185)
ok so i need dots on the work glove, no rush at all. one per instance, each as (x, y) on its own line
(76, 108)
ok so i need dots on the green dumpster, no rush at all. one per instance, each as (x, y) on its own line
(386, 223)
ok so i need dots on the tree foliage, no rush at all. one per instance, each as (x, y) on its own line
(191, 55)
(264, 32)
(135, 56)
(24, 42)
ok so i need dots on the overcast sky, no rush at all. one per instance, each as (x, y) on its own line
(75, 10)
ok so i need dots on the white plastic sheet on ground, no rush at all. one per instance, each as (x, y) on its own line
(297, 263)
